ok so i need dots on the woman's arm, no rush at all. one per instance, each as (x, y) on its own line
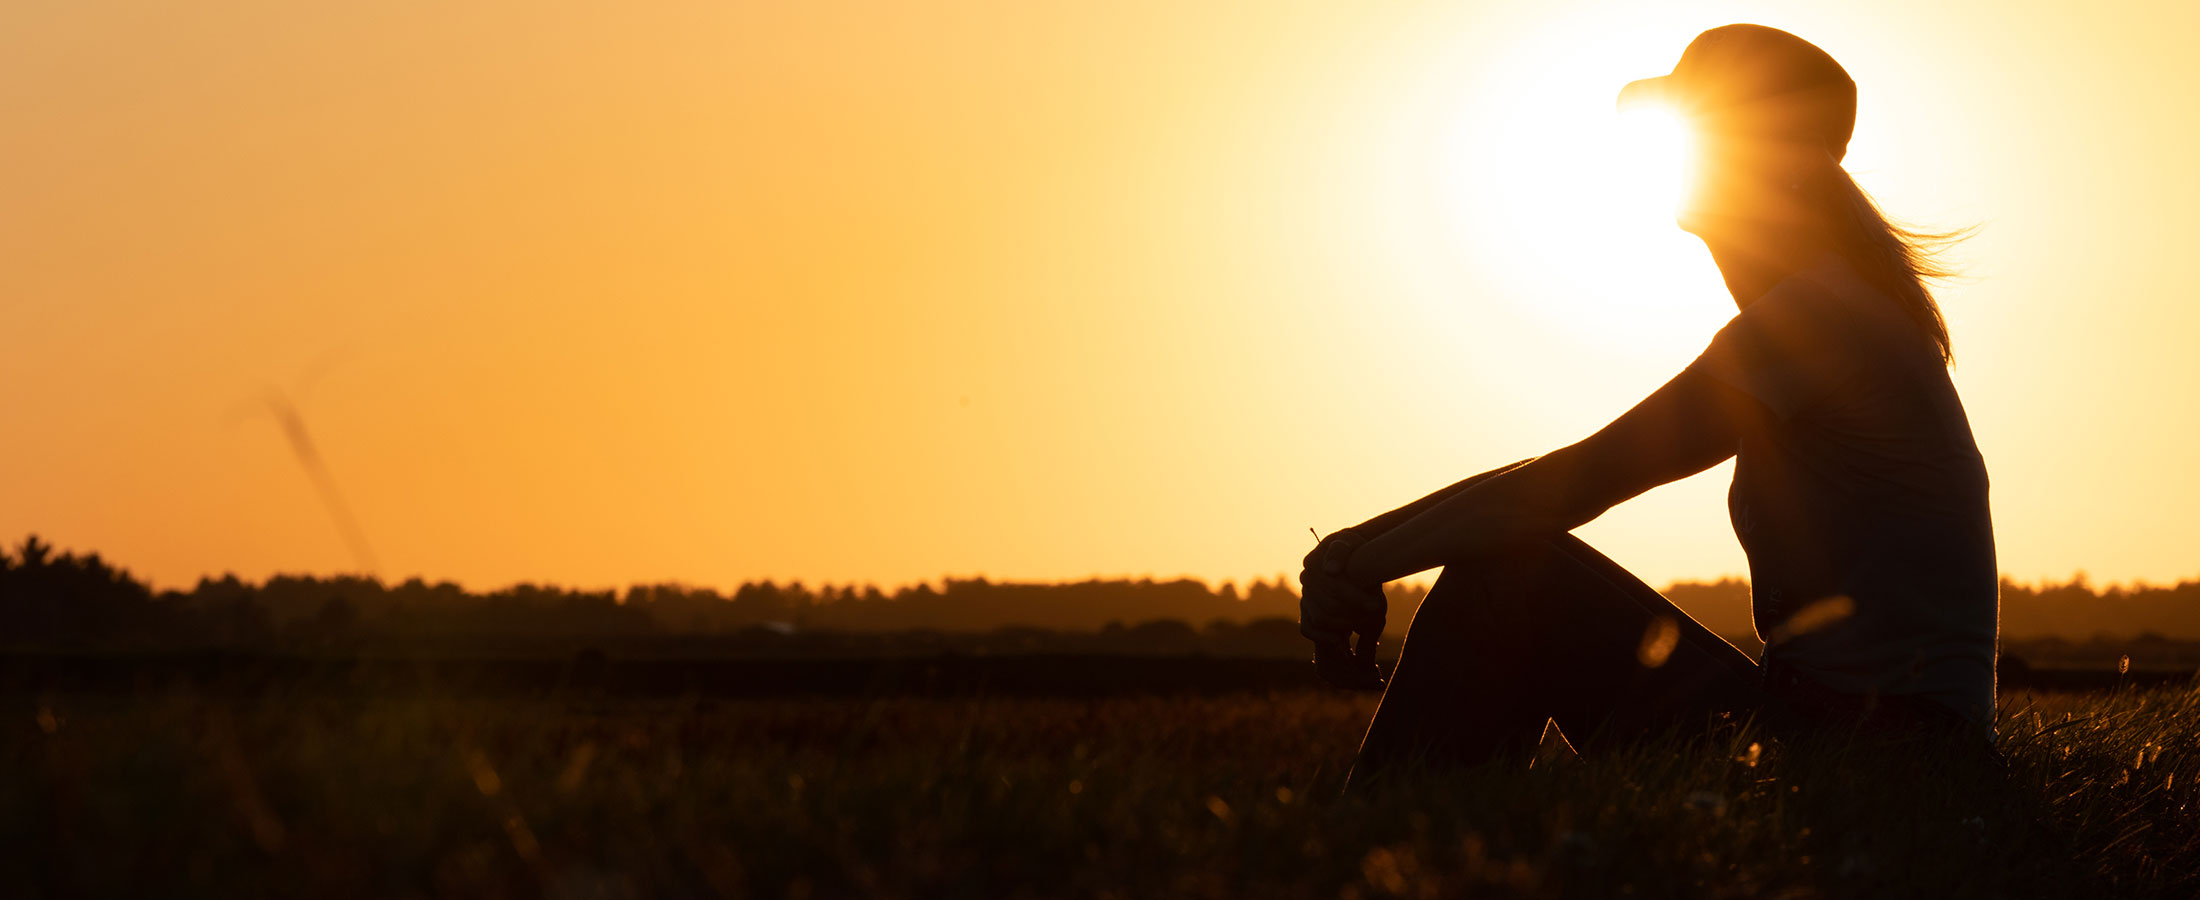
(1691, 424)
(1394, 518)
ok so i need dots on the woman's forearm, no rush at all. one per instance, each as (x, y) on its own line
(1685, 427)
(1382, 524)
(1518, 503)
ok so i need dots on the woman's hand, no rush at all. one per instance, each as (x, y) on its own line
(1333, 609)
(1331, 612)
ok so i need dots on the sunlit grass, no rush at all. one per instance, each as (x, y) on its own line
(1216, 796)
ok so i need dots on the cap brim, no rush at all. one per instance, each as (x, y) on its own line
(1657, 91)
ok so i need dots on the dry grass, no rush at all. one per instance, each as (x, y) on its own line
(178, 794)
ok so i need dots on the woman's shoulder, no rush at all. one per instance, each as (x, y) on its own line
(1841, 289)
(1822, 332)
(1831, 305)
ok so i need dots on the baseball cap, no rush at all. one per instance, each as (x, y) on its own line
(1757, 81)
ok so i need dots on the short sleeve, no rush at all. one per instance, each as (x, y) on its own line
(1782, 349)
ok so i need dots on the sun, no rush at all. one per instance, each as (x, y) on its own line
(1569, 204)
(1653, 148)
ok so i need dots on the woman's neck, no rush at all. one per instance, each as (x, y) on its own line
(1754, 261)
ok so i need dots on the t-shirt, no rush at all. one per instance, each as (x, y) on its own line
(1859, 495)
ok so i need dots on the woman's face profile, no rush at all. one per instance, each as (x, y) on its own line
(1736, 179)
(1767, 113)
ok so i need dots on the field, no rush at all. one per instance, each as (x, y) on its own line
(179, 790)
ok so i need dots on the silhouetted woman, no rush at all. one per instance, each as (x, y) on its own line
(1859, 494)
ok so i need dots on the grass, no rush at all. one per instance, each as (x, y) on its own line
(174, 793)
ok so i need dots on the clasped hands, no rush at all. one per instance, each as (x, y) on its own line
(1333, 609)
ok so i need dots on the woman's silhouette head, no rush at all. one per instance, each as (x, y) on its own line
(1772, 115)
(1761, 83)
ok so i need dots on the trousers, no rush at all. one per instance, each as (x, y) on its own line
(1559, 633)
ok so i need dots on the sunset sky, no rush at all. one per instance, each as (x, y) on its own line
(605, 293)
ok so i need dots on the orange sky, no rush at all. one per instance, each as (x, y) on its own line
(606, 293)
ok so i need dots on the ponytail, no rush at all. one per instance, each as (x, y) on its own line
(1893, 258)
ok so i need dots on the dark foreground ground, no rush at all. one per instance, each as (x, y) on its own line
(387, 784)
(592, 673)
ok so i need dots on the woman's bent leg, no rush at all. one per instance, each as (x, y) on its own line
(1501, 646)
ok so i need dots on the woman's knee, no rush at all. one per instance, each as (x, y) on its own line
(1524, 570)
(1491, 596)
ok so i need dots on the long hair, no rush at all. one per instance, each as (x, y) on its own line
(1897, 259)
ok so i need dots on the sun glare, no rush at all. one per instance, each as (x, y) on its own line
(1571, 204)
(1654, 148)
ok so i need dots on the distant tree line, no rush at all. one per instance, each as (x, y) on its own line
(51, 599)
(64, 600)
